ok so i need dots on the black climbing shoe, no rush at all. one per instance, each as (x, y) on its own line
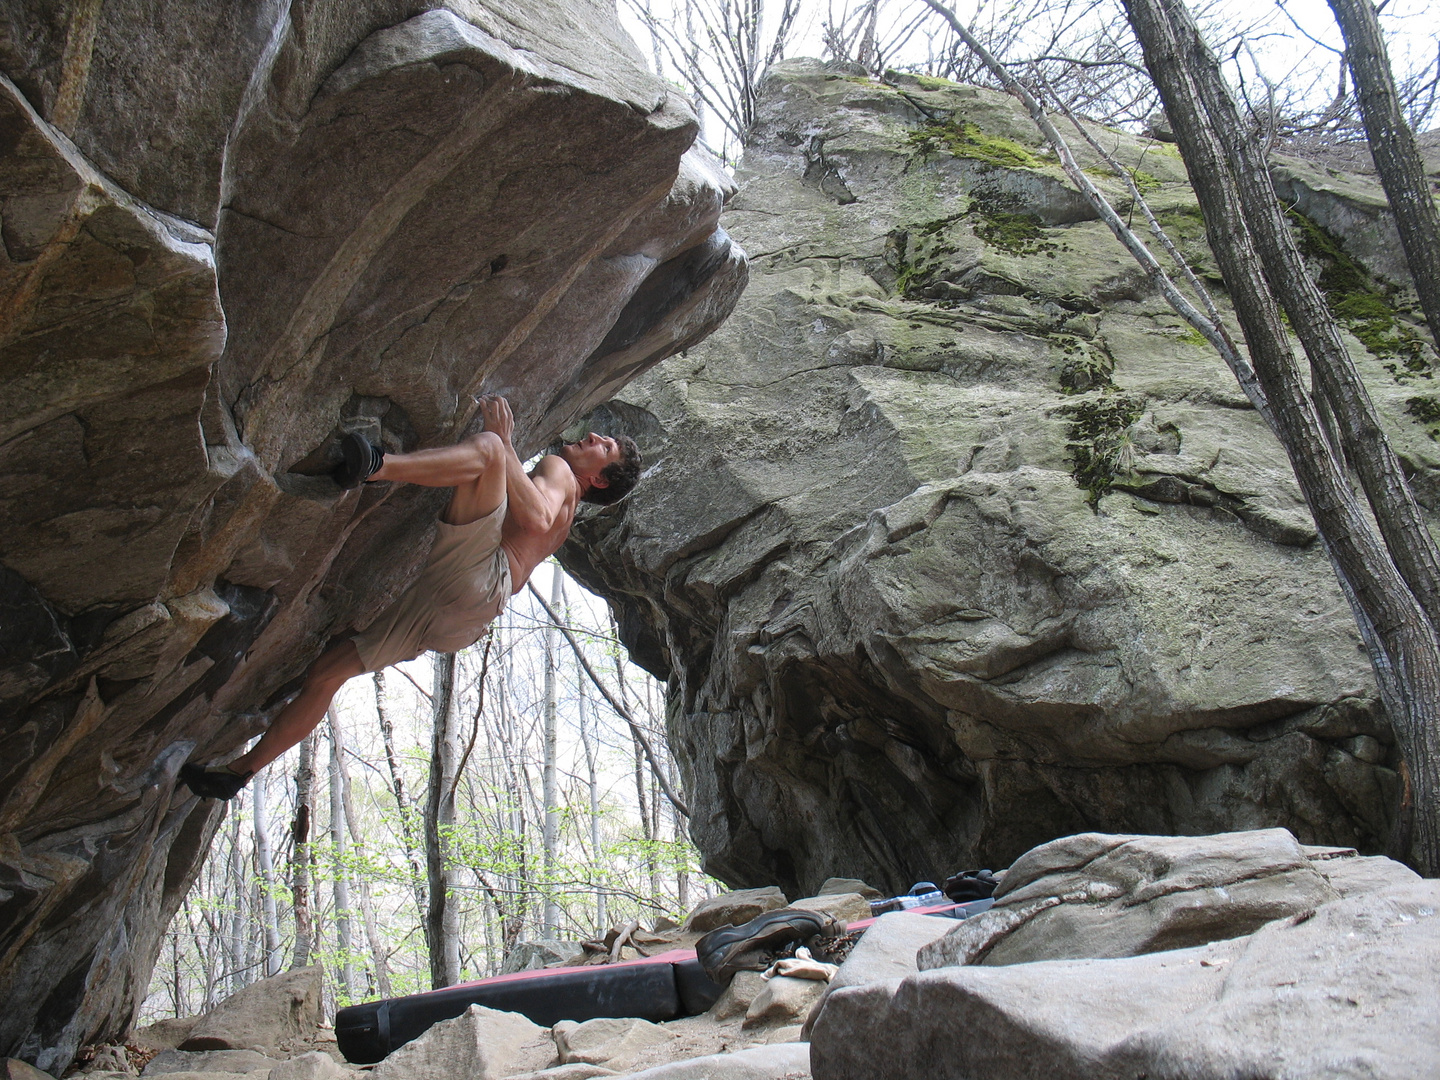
(213, 783)
(362, 461)
(970, 885)
(729, 949)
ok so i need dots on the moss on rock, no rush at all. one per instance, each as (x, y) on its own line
(1363, 305)
(962, 139)
(1099, 439)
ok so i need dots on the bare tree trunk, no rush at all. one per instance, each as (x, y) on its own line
(402, 801)
(300, 854)
(340, 882)
(1377, 572)
(513, 925)
(236, 886)
(265, 858)
(682, 866)
(1392, 145)
(378, 952)
(441, 924)
(550, 919)
(596, 858)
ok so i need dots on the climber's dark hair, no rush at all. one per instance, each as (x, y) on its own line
(620, 476)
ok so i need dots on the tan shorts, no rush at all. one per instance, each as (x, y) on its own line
(463, 587)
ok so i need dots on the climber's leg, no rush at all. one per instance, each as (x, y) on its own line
(335, 666)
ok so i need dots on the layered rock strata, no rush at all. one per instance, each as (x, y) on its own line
(957, 539)
(233, 231)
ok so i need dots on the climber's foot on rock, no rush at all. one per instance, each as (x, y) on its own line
(362, 461)
(218, 783)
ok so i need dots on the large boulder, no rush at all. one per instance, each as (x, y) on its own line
(1346, 992)
(958, 539)
(1097, 895)
(233, 232)
(262, 1016)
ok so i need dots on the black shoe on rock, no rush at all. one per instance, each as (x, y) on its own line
(362, 461)
(213, 783)
(729, 949)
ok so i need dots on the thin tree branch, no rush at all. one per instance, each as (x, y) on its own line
(615, 704)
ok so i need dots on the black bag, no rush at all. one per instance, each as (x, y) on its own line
(656, 989)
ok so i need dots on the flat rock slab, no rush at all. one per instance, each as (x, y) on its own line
(782, 1061)
(1102, 895)
(1349, 991)
(165, 1034)
(848, 907)
(226, 1061)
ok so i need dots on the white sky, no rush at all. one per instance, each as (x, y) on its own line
(1412, 27)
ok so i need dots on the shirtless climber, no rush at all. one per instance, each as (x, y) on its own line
(499, 525)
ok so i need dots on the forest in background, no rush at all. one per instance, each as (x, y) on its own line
(537, 813)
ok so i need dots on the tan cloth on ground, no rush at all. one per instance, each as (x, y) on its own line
(463, 587)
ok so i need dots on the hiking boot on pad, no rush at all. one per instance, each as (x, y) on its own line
(729, 949)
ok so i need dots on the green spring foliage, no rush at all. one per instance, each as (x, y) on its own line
(1360, 303)
(1099, 439)
(962, 139)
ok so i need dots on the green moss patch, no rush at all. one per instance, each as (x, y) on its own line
(962, 139)
(1427, 411)
(1002, 222)
(930, 82)
(1099, 439)
(1361, 304)
(1087, 365)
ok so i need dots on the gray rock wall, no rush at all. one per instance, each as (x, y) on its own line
(957, 540)
(232, 231)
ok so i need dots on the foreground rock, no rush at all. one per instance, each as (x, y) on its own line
(1097, 895)
(480, 1043)
(784, 1061)
(958, 539)
(231, 234)
(1338, 982)
(262, 1015)
(1348, 992)
(213, 1061)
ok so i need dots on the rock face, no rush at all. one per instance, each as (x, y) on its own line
(958, 540)
(231, 233)
(1343, 989)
